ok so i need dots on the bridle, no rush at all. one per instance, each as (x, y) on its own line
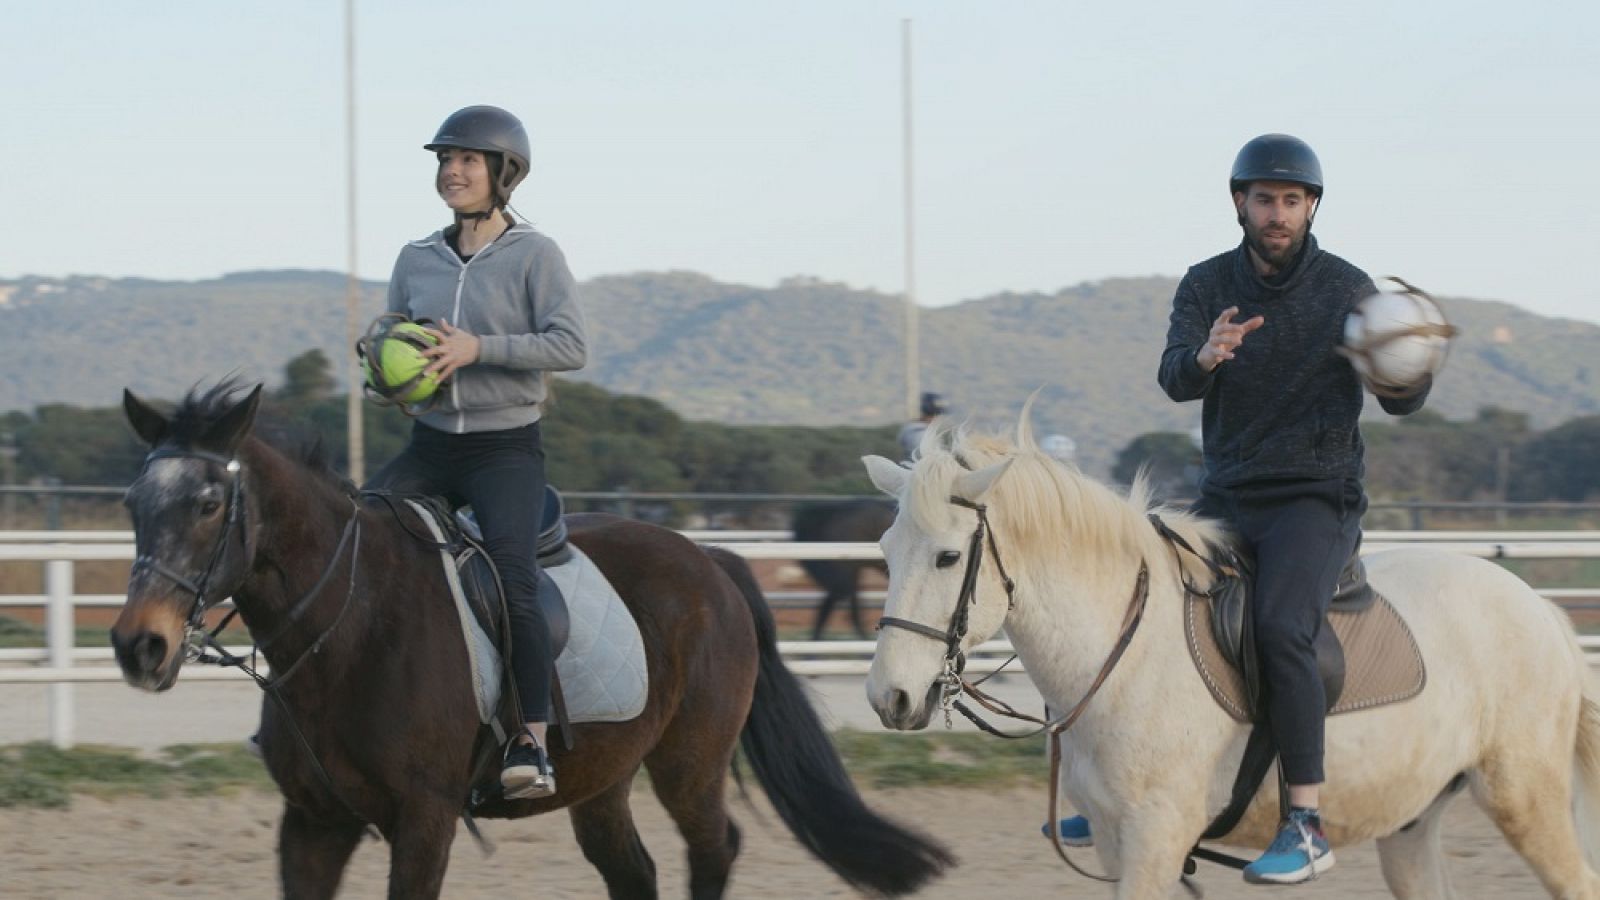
(955, 660)
(233, 515)
(196, 638)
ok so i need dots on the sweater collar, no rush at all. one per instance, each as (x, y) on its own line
(1309, 254)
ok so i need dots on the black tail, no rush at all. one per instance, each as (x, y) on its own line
(804, 778)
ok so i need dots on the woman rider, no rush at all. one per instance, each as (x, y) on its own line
(507, 314)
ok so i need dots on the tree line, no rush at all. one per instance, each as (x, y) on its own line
(1496, 455)
(596, 440)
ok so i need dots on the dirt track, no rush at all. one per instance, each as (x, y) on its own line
(223, 847)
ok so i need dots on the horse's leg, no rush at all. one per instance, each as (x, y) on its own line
(1413, 859)
(312, 854)
(1151, 852)
(605, 831)
(824, 610)
(691, 787)
(419, 851)
(855, 602)
(1529, 797)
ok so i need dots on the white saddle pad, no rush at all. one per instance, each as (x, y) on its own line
(602, 668)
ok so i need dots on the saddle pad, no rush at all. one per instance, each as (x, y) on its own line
(602, 669)
(1382, 662)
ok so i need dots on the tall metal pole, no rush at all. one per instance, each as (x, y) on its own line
(352, 297)
(913, 407)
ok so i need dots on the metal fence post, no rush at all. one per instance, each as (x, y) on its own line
(58, 632)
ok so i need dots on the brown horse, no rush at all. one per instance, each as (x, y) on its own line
(373, 719)
(863, 520)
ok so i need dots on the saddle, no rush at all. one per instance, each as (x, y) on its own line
(479, 582)
(600, 669)
(1230, 625)
(1366, 654)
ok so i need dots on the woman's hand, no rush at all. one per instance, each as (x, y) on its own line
(456, 348)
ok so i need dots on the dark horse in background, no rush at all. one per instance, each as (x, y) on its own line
(355, 617)
(861, 520)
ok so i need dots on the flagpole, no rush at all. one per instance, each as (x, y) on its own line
(913, 388)
(352, 301)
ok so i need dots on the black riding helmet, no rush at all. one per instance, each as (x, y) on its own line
(490, 130)
(1276, 157)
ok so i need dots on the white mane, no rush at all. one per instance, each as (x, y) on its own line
(1045, 506)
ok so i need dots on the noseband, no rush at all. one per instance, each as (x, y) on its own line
(201, 586)
(955, 661)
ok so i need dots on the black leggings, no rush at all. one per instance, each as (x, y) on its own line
(1302, 533)
(500, 474)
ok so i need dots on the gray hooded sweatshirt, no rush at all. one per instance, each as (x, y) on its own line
(518, 297)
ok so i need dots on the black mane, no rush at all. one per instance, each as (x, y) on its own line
(201, 409)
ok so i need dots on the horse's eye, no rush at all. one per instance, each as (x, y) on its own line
(947, 558)
(209, 507)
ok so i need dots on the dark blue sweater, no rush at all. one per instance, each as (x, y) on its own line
(1286, 406)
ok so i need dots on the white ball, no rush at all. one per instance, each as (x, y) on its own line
(1397, 338)
(1059, 446)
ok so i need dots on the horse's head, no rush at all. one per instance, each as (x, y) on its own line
(944, 597)
(191, 525)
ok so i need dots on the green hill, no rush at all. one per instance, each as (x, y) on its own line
(804, 352)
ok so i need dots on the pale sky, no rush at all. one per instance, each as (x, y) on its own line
(1057, 142)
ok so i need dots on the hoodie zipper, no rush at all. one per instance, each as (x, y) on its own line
(461, 281)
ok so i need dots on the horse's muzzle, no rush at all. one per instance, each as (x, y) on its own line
(149, 656)
(897, 710)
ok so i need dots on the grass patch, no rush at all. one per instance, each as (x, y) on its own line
(40, 775)
(17, 634)
(941, 759)
(1555, 573)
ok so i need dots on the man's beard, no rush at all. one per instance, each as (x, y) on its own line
(1279, 259)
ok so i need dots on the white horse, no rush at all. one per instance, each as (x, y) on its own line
(1509, 699)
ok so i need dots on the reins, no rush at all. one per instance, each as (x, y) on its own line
(197, 640)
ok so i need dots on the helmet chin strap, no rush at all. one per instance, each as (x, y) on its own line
(481, 215)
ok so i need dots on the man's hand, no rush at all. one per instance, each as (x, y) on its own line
(456, 348)
(1226, 334)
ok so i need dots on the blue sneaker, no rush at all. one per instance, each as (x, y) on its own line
(1299, 853)
(1074, 832)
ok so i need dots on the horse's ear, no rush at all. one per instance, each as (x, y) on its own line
(148, 424)
(1025, 438)
(231, 427)
(974, 485)
(886, 476)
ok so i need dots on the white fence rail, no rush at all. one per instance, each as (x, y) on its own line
(60, 664)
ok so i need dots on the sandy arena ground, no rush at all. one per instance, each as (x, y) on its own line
(223, 847)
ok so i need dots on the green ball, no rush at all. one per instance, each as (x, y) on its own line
(400, 359)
